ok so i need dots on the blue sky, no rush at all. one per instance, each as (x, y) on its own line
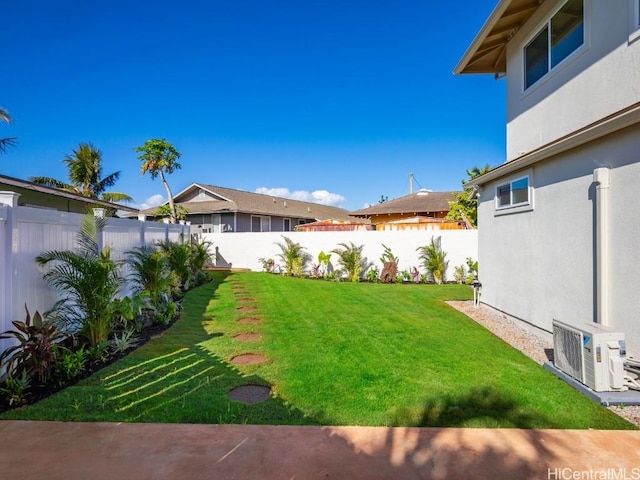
(337, 101)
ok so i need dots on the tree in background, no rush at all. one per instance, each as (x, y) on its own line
(160, 157)
(85, 176)
(7, 142)
(465, 206)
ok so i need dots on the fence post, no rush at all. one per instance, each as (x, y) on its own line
(8, 224)
(99, 213)
(142, 218)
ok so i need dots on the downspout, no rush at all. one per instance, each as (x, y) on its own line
(601, 180)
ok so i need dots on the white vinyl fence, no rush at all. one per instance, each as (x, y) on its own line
(244, 250)
(27, 232)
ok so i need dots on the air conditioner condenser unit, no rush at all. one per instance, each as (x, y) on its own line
(590, 354)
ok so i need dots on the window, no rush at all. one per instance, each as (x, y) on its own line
(260, 224)
(513, 194)
(560, 37)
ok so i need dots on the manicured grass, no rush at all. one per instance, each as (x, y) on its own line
(338, 354)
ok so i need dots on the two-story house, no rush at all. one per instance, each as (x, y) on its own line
(559, 221)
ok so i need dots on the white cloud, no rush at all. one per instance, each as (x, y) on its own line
(152, 201)
(322, 197)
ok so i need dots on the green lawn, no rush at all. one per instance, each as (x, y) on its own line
(338, 354)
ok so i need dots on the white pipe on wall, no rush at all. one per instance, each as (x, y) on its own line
(602, 182)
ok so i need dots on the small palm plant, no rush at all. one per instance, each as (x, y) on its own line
(88, 279)
(434, 260)
(150, 273)
(178, 255)
(198, 259)
(294, 256)
(350, 258)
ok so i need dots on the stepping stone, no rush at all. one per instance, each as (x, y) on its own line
(250, 394)
(247, 308)
(249, 359)
(248, 337)
(249, 320)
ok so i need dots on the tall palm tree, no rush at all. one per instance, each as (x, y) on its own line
(85, 175)
(159, 156)
(7, 142)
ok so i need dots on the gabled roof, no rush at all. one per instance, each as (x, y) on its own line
(231, 200)
(487, 52)
(34, 187)
(422, 202)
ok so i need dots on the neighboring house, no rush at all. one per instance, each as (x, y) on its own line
(559, 221)
(423, 210)
(334, 226)
(33, 195)
(214, 209)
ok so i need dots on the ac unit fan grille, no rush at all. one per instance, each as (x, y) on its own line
(567, 351)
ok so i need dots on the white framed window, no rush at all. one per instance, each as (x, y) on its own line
(562, 35)
(260, 223)
(286, 224)
(514, 195)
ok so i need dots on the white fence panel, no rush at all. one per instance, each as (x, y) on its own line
(244, 250)
(27, 232)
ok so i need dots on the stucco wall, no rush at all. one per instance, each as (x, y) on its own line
(539, 265)
(600, 78)
(243, 250)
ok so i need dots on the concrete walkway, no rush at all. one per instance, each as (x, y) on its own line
(55, 450)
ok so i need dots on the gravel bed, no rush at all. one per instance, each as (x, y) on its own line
(534, 346)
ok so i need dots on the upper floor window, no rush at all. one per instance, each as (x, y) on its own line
(513, 193)
(562, 35)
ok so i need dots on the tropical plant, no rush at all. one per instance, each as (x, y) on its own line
(6, 142)
(89, 281)
(404, 276)
(122, 343)
(199, 256)
(16, 389)
(85, 176)
(34, 353)
(70, 364)
(434, 260)
(150, 272)
(164, 211)
(99, 352)
(293, 255)
(324, 259)
(388, 256)
(472, 265)
(267, 264)
(373, 274)
(178, 256)
(415, 273)
(159, 157)
(459, 274)
(465, 205)
(351, 260)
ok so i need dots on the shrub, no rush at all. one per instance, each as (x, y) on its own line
(460, 274)
(15, 389)
(35, 353)
(293, 256)
(350, 258)
(434, 260)
(70, 364)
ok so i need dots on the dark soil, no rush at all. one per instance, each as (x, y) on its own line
(39, 391)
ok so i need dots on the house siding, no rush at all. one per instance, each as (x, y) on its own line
(598, 80)
(538, 265)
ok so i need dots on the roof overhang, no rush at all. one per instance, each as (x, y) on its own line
(16, 182)
(487, 52)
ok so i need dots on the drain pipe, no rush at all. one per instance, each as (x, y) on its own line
(601, 180)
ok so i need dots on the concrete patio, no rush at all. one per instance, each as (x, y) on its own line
(56, 450)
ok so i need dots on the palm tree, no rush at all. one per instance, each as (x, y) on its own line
(434, 260)
(159, 156)
(294, 256)
(7, 142)
(85, 175)
(89, 281)
(350, 258)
